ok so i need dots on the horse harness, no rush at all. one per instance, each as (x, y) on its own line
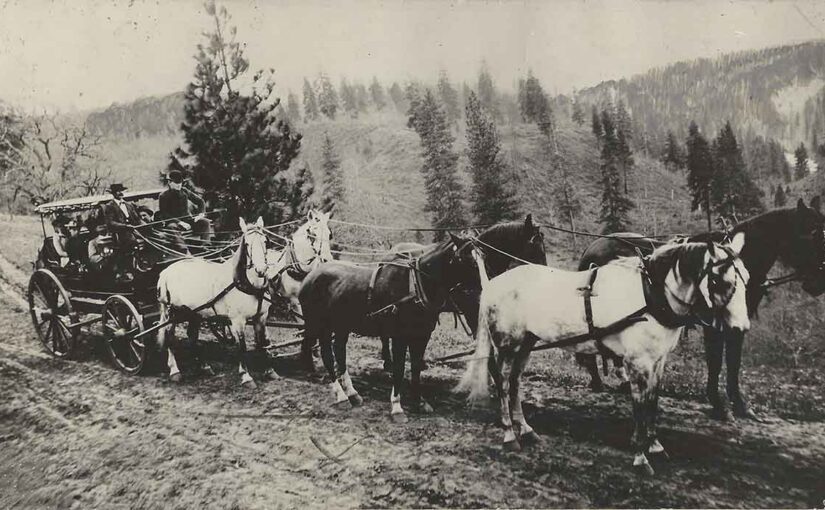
(417, 294)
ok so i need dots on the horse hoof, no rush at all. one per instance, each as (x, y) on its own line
(176, 377)
(342, 404)
(748, 415)
(644, 469)
(511, 446)
(355, 400)
(208, 371)
(271, 375)
(721, 414)
(423, 407)
(530, 438)
(398, 418)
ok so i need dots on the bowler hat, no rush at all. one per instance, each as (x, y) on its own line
(175, 176)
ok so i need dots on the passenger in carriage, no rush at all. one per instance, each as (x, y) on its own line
(60, 240)
(175, 204)
(146, 215)
(101, 253)
(120, 217)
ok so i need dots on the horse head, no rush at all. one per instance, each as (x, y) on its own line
(705, 280)
(312, 241)
(508, 243)
(253, 251)
(807, 253)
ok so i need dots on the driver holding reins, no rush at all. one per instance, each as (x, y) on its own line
(175, 204)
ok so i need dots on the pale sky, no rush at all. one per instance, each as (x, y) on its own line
(83, 54)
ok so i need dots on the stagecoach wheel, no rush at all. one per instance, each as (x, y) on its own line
(221, 331)
(121, 322)
(52, 314)
(143, 261)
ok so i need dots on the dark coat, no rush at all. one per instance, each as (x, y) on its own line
(176, 203)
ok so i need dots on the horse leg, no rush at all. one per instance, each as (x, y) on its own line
(386, 355)
(344, 379)
(589, 362)
(417, 350)
(510, 441)
(262, 344)
(733, 359)
(714, 346)
(641, 392)
(399, 359)
(167, 337)
(655, 447)
(527, 435)
(237, 329)
(193, 330)
(328, 358)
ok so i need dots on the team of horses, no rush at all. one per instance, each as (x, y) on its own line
(630, 302)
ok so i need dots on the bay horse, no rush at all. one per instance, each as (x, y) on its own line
(634, 308)
(793, 235)
(504, 245)
(193, 289)
(401, 300)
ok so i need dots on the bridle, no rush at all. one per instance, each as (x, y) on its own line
(250, 264)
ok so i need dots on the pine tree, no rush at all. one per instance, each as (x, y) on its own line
(615, 205)
(327, 97)
(624, 155)
(673, 158)
(412, 96)
(377, 95)
(700, 171)
(493, 197)
(733, 193)
(623, 122)
(596, 124)
(397, 97)
(235, 149)
(442, 185)
(349, 100)
(801, 168)
(293, 110)
(449, 98)
(779, 198)
(362, 98)
(578, 113)
(533, 101)
(566, 203)
(310, 102)
(487, 91)
(333, 192)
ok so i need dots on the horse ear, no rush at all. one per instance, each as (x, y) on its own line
(242, 223)
(260, 222)
(528, 221)
(815, 204)
(800, 204)
(311, 214)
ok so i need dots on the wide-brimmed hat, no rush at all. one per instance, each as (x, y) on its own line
(175, 176)
(115, 187)
(60, 220)
(101, 228)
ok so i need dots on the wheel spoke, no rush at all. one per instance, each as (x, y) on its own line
(134, 352)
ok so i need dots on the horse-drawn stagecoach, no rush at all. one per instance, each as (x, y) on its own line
(67, 291)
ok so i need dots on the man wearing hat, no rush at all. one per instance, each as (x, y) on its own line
(120, 216)
(60, 239)
(176, 205)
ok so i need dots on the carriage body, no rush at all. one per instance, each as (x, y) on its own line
(66, 296)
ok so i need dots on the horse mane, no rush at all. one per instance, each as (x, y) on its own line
(239, 259)
(688, 257)
(508, 237)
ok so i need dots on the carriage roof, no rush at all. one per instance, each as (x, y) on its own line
(86, 203)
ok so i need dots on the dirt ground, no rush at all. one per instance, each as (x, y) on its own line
(79, 434)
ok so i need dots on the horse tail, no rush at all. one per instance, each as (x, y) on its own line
(477, 374)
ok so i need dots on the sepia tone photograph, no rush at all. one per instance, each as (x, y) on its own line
(262, 254)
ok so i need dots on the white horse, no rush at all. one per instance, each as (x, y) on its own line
(193, 289)
(642, 311)
(286, 268)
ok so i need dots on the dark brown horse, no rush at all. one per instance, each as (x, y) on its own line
(398, 300)
(793, 235)
(499, 243)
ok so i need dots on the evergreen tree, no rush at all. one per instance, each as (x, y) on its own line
(377, 95)
(493, 198)
(623, 122)
(566, 203)
(310, 102)
(801, 168)
(442, 185)
(733, 193)
(349, 100)
(673, 158)
(397, 97)
(533, 101)
(779, 198)
(487, 91)
(327, 97)
(615, 206)
(700, 171)
(362, 98)
(293, 110)
(624, 155)
(333, 192)
(412, 96)
(236, 149)
(578, 113)
(596, 124)
(449, 98)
